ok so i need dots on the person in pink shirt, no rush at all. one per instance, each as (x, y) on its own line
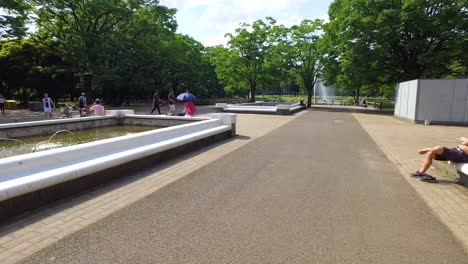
(97, 108)
(190, 108)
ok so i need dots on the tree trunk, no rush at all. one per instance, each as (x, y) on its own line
(309, 95)
(253, 90)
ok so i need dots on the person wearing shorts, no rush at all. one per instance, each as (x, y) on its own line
(48, 105)
(457, 154)
(172, 100)
(2, 104)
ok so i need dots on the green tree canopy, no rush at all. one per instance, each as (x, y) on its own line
(114, 41)
(384, 42)
(242, 65)
(13, 21)
(298, 49)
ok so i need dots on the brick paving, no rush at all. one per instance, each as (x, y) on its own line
(400, 140)
(35, 230)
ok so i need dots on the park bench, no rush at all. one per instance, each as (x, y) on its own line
(462, 171)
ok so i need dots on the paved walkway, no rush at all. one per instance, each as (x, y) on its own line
(318, 190)
(400, 140)
(45, 226)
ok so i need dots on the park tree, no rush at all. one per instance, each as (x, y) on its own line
(110, 41)
(13, 18)
(384, 42)
(242, 64)
(28, 68)
(227, 66)
(298, 49)
(184, 65)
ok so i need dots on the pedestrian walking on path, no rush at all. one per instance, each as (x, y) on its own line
(82, 104)
(188, 99)
(2, 104)
(48, 105)
(172, 100)
(156, 102)
(457, 154)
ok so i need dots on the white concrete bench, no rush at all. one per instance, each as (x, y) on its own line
(462, 171)
(28, 173)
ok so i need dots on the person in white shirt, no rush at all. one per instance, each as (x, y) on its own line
(48, 105)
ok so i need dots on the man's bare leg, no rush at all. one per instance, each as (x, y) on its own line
(430, 155)
(424, 151)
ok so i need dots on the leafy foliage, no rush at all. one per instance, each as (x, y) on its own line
(118, 49)
(13, 22)
(242, 65)
(378, 43)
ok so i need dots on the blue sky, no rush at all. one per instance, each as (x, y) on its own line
(208, 20)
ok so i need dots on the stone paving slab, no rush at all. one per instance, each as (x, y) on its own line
(400, 140)
(33, 231)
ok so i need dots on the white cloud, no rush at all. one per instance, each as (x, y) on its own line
(209, 20)
(171, 3)
(217, 40)
(195, 3)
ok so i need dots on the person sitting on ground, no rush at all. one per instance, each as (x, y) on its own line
(458, 154)
(97, 108)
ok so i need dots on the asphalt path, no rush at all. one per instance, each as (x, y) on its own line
(317, 190)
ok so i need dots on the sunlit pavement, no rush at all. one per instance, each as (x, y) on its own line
(316, 190)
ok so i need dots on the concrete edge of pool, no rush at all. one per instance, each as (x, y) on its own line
(31, 180)
(261, 108)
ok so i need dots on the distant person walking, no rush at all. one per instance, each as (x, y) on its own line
(97, 108)
(156, 102)
(82, 103)
(48, 105)
(172, 100)
(188, 99)
(2, 104)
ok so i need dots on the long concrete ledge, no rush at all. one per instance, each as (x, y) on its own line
(29, 173)
(279, 109)
(115, 117)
